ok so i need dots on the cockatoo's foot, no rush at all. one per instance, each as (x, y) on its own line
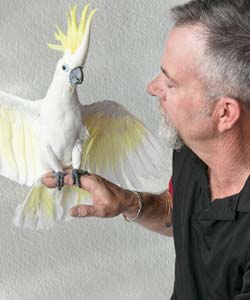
(76, 174)
(59, 179)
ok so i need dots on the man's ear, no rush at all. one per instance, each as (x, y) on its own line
(227, 113)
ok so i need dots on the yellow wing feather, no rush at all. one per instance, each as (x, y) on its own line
(110, 140)
(19, 147)
(120, 147)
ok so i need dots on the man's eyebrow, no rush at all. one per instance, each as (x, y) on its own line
(167, 75)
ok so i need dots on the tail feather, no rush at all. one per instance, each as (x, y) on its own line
(68, 197)
(43, 207)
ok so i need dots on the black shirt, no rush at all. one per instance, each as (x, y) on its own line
(212, 239)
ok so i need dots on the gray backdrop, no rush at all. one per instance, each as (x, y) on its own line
(89, 258)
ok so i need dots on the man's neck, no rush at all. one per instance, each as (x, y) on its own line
(228, 162)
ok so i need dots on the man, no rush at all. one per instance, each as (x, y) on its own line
(204, 93)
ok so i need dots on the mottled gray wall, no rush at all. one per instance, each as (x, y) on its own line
(91, 258)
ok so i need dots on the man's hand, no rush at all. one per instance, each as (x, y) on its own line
(109, 200)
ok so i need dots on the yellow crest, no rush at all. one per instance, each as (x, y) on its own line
(75, 32)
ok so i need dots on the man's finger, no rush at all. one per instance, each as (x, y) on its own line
(83, 211)
(49, 180)
(90, 182)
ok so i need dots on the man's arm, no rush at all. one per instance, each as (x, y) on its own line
(156, 212)
(110, 200)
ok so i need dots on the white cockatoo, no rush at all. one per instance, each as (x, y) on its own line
(58, 132)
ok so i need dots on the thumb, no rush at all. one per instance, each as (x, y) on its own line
(83, 211)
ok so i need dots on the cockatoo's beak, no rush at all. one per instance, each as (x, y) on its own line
(76, 76)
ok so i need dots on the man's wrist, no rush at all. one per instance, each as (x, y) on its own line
(134, 211)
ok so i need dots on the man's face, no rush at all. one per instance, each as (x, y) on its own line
(180, 90)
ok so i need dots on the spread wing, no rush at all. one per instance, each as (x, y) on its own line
(120, 148)
(19, 139)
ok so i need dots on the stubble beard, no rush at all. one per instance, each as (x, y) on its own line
(168, 132)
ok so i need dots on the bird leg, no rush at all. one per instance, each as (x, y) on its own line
(59, 179)
(52, 162)
(77, 158)
(76, 174)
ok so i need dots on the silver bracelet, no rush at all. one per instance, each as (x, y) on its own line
(139, 197)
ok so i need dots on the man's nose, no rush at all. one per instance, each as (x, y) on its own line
(154, 87)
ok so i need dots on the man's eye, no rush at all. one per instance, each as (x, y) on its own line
(168, 85)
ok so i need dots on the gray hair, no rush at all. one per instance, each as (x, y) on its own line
(225, 26)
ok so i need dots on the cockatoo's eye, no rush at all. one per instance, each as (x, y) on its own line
(65, 68)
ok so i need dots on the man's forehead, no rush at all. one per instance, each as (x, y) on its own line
(183, 50)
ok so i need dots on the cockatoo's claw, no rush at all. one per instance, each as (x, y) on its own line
(76, 174)
(59, 179)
